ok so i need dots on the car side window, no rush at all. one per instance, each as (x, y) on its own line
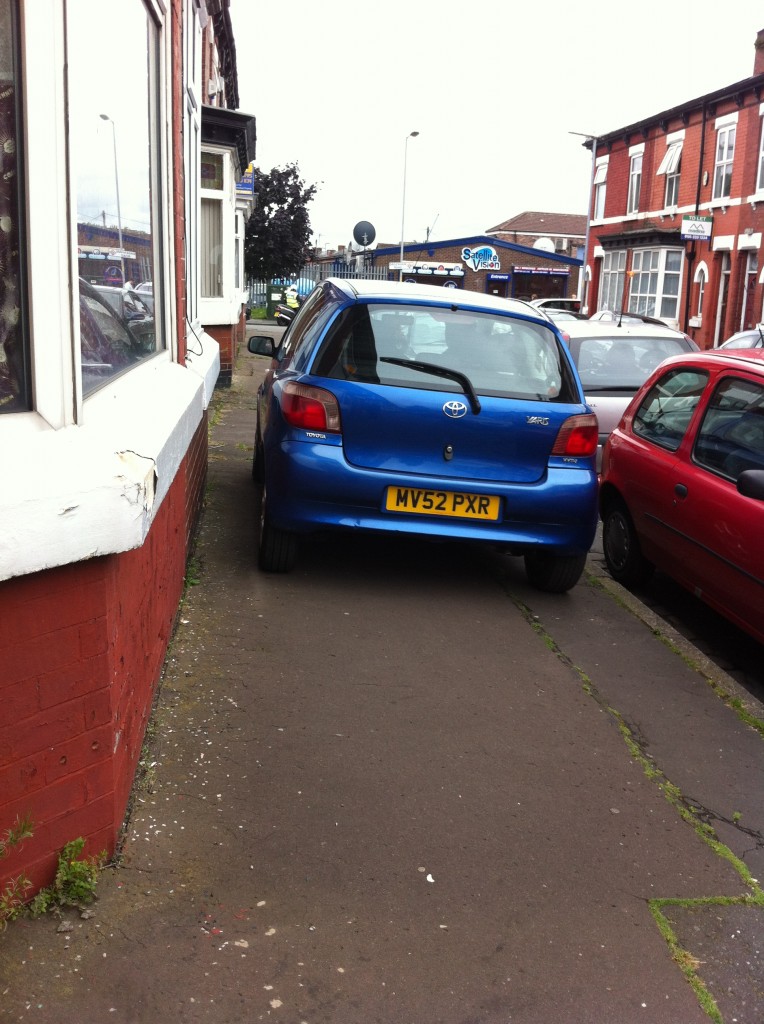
(299, 330)
(666, 410)
(731, 437)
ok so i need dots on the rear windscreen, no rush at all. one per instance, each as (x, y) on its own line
(404, 346)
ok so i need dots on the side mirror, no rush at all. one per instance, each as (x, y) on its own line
(750, 483)
(261, 345)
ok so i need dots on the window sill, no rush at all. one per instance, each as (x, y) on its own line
(94, 489)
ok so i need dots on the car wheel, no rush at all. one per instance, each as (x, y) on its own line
(623, 553)
(554, 573)
(277, 550)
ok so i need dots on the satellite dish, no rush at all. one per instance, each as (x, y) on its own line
(545, 244)
(364, 233)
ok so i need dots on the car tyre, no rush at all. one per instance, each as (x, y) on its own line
(623, 552)
(554, 574)
(277, 549)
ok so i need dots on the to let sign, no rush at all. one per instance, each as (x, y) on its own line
(697, 228)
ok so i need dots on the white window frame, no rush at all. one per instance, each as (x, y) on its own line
(88, 476)
(195, 20)
(223, 308)
(670, 166)
(600, 188)
(760, 174)
(612, 280)
(724, 157)
(701, 280)
(650, 300)
(636, 154)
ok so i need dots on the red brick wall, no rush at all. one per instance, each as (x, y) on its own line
(229, 337)
(81, 650)
(196, 479)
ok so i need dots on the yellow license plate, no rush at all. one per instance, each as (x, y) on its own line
(442, 503)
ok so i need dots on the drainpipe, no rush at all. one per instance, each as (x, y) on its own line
(690, 254)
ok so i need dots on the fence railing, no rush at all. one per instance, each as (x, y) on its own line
(310, 276)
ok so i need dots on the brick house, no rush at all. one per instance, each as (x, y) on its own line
(103, 431)
(677, 213)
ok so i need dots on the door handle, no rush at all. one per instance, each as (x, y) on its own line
(680, 490)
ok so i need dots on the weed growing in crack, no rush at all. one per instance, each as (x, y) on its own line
(13, 895)
(75, 882)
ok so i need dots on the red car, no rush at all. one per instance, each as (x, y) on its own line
(682, 483)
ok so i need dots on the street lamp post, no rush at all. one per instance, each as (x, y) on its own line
(582, 282)
(411, 135)
(105, 117)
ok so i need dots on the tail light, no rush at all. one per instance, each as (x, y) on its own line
(578, 436)
(310, 408)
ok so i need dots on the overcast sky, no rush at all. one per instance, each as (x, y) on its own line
(494, 89)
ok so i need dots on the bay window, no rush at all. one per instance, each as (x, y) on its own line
(613, 276)
(655, 282)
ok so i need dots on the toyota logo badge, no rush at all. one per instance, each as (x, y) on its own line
(455, 410)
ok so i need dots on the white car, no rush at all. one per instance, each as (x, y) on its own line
(571, 304)
(613, 362)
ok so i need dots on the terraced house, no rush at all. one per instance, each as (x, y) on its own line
(121, 150)
(677, 212)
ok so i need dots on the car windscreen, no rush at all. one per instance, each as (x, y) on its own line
(621, 360)
(407, 345)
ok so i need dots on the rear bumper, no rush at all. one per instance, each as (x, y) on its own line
(312, 487)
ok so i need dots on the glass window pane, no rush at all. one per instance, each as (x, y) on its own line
(113, 152)
(14, 351)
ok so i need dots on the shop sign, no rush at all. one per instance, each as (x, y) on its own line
(484, 258)
(498, 277)
(427, 269)
(697, 229)
(541, 270)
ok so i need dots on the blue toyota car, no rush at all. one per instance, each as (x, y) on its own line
(438, 412)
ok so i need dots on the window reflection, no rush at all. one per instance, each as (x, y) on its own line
(112, 110)
(14, 372)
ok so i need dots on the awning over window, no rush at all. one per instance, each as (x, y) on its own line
(671, 158)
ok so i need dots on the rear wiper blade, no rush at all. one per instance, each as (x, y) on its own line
(440, 371)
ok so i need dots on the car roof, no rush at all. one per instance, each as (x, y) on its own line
(608, 329)
(730, 357)
(361, 288)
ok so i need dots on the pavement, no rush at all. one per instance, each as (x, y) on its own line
(293, 854)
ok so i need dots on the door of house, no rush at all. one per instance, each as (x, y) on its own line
(721, 309)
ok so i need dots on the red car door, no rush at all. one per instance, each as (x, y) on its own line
(719, 555)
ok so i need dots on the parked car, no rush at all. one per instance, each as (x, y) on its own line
(746, 339)
(614, 361)
(108, 343)
(126, 302)
(411, 409)
(611, 316)
(683, 482)
(561, 315)
(573, 305)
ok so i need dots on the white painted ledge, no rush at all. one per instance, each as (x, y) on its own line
(94, 489)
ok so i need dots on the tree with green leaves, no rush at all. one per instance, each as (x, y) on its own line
(277, 241)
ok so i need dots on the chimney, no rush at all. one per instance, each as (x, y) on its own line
(758, 63)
